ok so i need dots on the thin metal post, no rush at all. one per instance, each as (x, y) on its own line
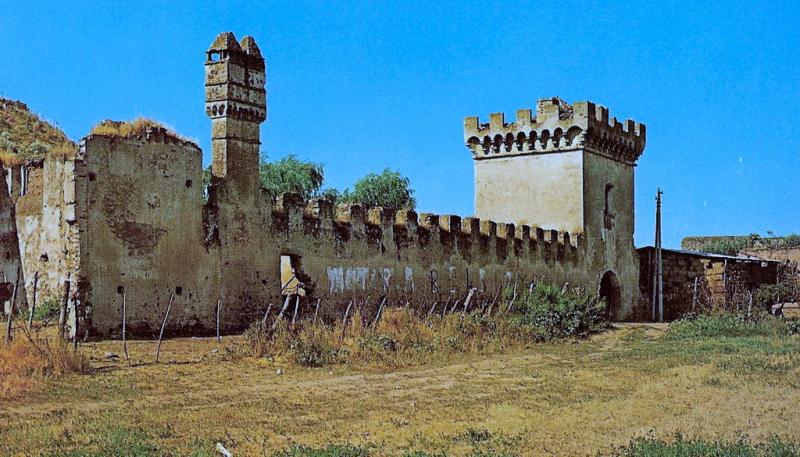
(659, 259)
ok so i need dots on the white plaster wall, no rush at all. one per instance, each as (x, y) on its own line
(544, 190)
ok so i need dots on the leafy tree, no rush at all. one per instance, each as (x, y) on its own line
(389, 189)
(290, 174)
(331, 194)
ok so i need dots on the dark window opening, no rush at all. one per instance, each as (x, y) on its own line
(179, 290)
(92, 176)
(120, 290)
(23, 181)
(608, 211)
(188, 183)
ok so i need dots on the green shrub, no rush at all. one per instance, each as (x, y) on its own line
(770, 294)
(47, 310)
(649, 447)
(118, 441)
(554, 314)
(727, 325)
(793, 326)
(331, 450)
(312, 347)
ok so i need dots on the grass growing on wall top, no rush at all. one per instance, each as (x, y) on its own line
(136, 128)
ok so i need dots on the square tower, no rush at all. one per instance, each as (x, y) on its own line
(568, 169)
(236, 102)
(538, 171)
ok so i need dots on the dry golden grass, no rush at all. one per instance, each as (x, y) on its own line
(26, 362)
(568, 398)
(136, 128)
(400, 338)
(10, 159)
(65, 151)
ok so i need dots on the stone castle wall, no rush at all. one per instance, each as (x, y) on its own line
(145, 230)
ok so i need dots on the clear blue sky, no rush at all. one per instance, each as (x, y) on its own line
(363, 86)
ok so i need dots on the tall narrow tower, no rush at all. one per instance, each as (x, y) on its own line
(236, 102)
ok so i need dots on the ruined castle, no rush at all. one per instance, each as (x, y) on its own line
(127, 216)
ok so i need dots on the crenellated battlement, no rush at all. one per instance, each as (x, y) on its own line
(557, 127)
(405, 232)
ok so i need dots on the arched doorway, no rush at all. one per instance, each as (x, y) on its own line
(611, 293)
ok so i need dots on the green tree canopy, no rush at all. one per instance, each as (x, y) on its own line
(290, 174)
(389, 189)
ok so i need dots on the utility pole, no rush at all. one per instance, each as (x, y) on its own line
(658, 284)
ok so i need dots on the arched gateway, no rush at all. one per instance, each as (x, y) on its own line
(610, 291)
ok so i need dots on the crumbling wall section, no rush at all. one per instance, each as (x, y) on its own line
(44, 205)
(10, 263)
(142, 234)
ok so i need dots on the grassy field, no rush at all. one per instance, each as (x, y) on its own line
(584, 397)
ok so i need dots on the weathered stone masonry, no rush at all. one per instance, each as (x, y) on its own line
(554, 200)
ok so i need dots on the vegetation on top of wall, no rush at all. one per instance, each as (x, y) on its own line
(733, 245)
(137, 128)
(26, 136)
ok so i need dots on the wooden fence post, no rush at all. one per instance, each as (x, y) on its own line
(219, 305)
(33, 300)
(280, 315)
(266, 315)
(455, 305)
(469, 298)
(11, 310)
(75, 321)
(62, 316)
(433, 308)
(344, 322)
(296, 307)
(380, 309)
(124, 323)
(163, 325)
(316, 311)
(496, 296)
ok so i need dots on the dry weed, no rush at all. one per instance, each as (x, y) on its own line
(25, 362)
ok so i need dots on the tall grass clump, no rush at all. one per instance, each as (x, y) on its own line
(729, 324)
(554, 313)
(405, 335)
(25, 362)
